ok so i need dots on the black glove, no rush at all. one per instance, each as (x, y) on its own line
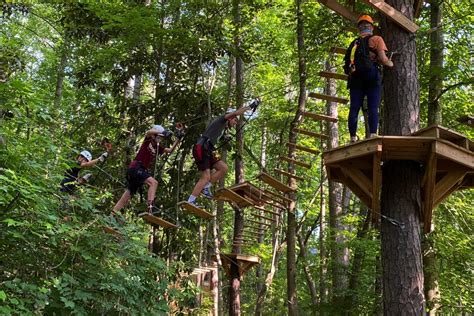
(179, 133)
(255, 103)
(103, 156)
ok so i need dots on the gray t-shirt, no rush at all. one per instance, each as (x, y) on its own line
(215, 129)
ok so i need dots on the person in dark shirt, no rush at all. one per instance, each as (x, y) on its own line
(137, 173)
(205, 157)
(71, 177)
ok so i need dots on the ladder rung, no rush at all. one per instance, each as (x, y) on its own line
(327, 97)
(193, 209)
(310, 133)
(277, 185)
(333, 75)
(302, 148)
(156, 221)
(338, 50)
(263, 217)
(322, 117)
(230, 196)
(260, 208)
(296, 162)
(258, 222)
(274, 196)
(283, 172)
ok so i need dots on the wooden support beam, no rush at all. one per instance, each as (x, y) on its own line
(156, 221)
(333, 75)
(277, 185)
(360, 179)
(393, 14)
(288, 174)
(302, 148)
(376, 184)
(320, 117)
(338, 50)
(296, 162)
(444, 186)
(341, 10)
(192, 209)
(428, 186)
(309, 133)
(327, 97)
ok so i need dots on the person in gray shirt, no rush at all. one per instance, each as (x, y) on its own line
(205, 157)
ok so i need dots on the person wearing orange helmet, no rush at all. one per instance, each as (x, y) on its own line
(363, 59)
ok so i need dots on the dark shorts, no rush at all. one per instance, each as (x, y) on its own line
(204, 155)
(68, 185)
(135, 178)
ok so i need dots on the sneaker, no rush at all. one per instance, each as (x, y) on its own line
(193, 203)
(354, 139)
(207, 192)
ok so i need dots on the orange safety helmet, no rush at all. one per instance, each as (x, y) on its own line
(365, 18)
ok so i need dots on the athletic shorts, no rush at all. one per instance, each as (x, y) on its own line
(135, 178)
(204, 155)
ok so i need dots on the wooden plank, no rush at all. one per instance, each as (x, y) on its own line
(427, 187)
(190, 208)
(438, 131)
(112, 231)
(309, 133)
(296, 162)
(376, 184)
(156, 221)
(338, 50)
(263, 217)
(228, 195)
(393, 14)
(277, 185)
(258, 222)
(283, 198)
(302, 148)
(360, 179)
(367, 200)
(288, 174)
(262, 209)
(333, 75)
(320, 117)
(341, 10)
(444, 185)
(356, 150)
(460, 155)
(326, 97)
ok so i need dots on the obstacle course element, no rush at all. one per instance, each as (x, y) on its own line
(448, 158)
(296, 162)
(320, 117)
(274, 183)
(112, 231)
(333, 75)
(193, 209)
(244, 262)
(327, 97)
(156, 221)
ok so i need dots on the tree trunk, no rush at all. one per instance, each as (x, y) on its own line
(322, 245)
(401, 197)
(436, 63)
(263, 161)
(234, 289)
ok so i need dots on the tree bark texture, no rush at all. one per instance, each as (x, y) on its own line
(401, 185)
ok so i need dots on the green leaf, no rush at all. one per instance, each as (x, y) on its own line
(3, 296)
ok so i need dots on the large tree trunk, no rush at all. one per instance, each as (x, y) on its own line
(322, 244)
(261, 228)
(234, 289)
(436, 77)
(401, 184)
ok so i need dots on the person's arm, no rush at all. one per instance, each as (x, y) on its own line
(383, 59)
(93, 162)
(240, 111)
(378, 44)
(151, 133)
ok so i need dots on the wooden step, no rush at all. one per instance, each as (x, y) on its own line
(272, 195)
(277, 185)
(230, 196)
(320, 117)
(263, 217)
(258, 222)
(338, 50)
(156, 221)
(266, 211)
(327, 97)
(296, 162)
(285, 173)
(333, 75)
(190, 208)
(302, 148)
(309, 133)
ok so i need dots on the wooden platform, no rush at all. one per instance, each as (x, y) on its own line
(156, 221)
(244, 262)
(448, 158)
(320, 117)
(112, 231)
(189, 208)
(327, 97)
(274, 183)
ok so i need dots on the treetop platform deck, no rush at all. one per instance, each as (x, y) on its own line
(447, 156)
(244, 262)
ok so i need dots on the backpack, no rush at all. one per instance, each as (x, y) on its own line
(357, 56)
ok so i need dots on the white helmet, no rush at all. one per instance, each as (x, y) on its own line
(86, 154)
(159, 129)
